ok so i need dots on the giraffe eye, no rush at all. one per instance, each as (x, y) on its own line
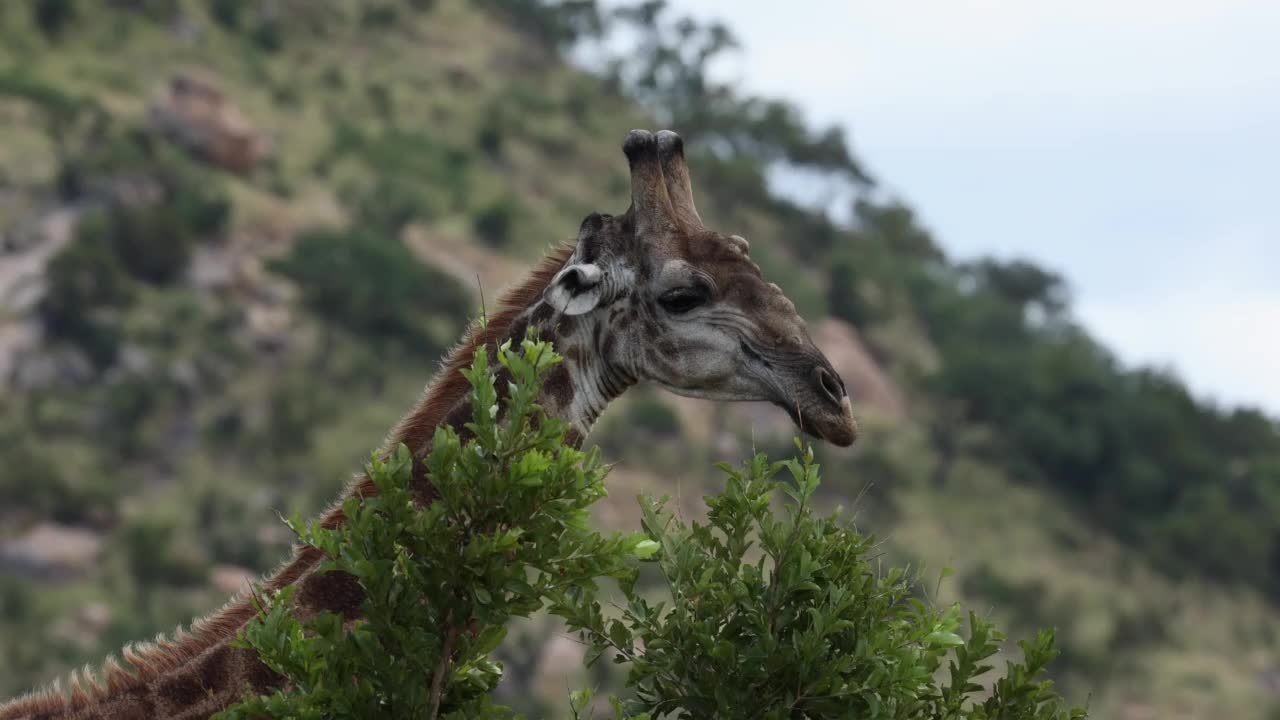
(682, 300)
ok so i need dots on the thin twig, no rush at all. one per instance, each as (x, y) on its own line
(446, 655)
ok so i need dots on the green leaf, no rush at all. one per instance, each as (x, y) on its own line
(645, 549)
(943, 639)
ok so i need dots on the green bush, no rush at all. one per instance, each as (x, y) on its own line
(769, 615)
(413, 163)
(86, 289)
(490, 135)
(153, 244)
(127, 403)
(495, 221)
(60, 107)
(379, 16)
(846, 292)
(204, 211)
(228, 13)
(294, 413)
(556, 24)
(31, 653)
(381, 98)
(189, 195)
(225, 520)
(394, 202)
(155, 10)
(788, 616)
(53, 16)
(404, 152)
(34, 478)
(268, 34)
(156, 558)
(373, 286)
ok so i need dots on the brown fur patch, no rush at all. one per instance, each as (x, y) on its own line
(181, 691)
(335, 591)
(558, 385)
(257, 674)
(215, 668)
(133, 705)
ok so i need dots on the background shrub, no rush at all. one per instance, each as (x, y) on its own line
(228, 13)
(53, 16)
(155, 559)
(153, 244)
(495, 221)
(86, 288)
(373, 286)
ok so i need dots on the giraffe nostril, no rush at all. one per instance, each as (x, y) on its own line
(830, 384)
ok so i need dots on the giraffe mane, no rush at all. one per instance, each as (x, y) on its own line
(449, 386)
(150, 660)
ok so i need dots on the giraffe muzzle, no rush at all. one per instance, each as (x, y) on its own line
(830, 417)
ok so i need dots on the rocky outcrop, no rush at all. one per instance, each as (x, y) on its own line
(22, 285)
(231, 579)
(193, 111)
(866, 381)
(50, 550)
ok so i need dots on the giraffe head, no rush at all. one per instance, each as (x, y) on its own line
(671, 302)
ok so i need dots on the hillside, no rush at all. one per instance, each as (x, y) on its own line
(236, 237)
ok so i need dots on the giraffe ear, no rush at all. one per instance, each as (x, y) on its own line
(575, 290)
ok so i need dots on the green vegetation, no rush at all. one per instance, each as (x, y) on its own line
(809, 630)
(123, 240)
(494, 223)
(53, 15)
(807, 626)
(86, 285)
(372, 285)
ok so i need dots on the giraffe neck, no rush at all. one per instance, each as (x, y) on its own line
(196, 674)
(577, 390)
(582, 386)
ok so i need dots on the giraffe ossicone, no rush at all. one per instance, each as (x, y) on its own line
(651, 295)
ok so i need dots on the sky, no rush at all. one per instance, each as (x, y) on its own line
(1131, 145)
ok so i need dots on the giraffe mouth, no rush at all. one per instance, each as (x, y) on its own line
(839, 428)
(843, 429)
(820, 407)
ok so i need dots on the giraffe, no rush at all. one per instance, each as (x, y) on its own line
(648, 296)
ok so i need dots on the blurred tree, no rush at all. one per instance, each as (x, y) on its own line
(494, 222)
(374, 287)
(155, 558)
(53, 16)
(669, 71)
(87, 288)
(556, 23)
(228, 13)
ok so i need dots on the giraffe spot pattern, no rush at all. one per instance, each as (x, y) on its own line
(181, 691)
(336, 591)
